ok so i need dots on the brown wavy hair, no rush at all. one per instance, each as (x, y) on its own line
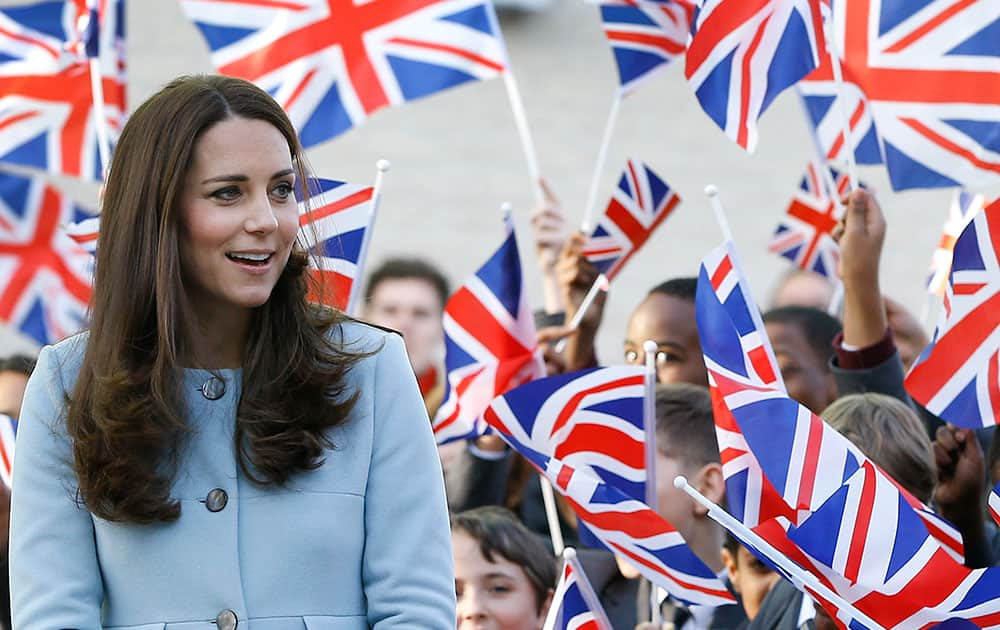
(126, 412)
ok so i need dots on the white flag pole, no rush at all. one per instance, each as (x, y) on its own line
(600, 284)
(712, 192)
(602, 156)
(845, 117)
(97, 95)
(552, 515)
(353, 303)
(649, 348)
(800, 577)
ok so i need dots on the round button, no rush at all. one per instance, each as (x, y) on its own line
(214, 388)
(216, 500)
(227, 620)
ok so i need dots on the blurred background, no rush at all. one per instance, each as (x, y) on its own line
(456, 157)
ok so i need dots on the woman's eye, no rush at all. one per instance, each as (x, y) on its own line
(283, 190)
(227, 194)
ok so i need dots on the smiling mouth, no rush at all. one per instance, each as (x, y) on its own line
(254, 260)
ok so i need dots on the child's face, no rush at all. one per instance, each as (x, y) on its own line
(751, 578)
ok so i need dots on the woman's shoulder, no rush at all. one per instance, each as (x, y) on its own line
(59, 363)
(357, 336)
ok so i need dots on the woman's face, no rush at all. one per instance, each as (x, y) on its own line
(492, 595)
(238, 216)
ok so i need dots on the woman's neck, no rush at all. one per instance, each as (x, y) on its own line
(216, 340)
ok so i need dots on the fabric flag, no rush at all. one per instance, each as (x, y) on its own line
(930, 72)
(805, 234)
(569, 609)
(46, 104)
(963, 207)
(743, 53)
(820, 95)
(490, 344)
(994, 503)
(8, 431)
(873, 550)
(45, 276)
(85, 233)
(330, 64)
(589, 419)
(645, 36)
(335, 226)
(956, 377)
(640, 203)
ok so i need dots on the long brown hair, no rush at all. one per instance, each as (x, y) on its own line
(126, 412)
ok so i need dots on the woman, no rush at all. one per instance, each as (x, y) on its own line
(215, 452)
(504, 575)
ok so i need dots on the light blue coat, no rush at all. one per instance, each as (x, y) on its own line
(362, 542)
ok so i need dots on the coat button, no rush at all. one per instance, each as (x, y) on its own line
(214, 388)
(227, 620)
(216, 500)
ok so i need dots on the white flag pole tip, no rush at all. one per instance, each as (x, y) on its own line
(569, 554)
(680, 481)
(649, 346)
(712, 190)
(383, 165)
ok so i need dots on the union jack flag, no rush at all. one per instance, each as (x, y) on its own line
(820, 95)
(742, 54)
(805, 233)
(963, 207)
(331, 63)
(638, 206)
(490, 344)
(588, 419)
(929, 70)
(627, 526)
(45, 277)
(645, 36)
(85, 233)
(871, 547)
(574, 604)
(8, 431)
(957, 376)
(994, 503)
(46, 103)
(336, 225)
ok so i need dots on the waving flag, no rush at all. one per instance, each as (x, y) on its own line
(963, 207)
(867, 543)
(588, 419)
(956, 376)
(8, 431)
(645, 36)
(820, 95)
(330, 64)
(340, 217)
(574, 604)
(46, 104)
(743, 53)
(638, 206)
(490, 343)
(930, 72)
(805, 233)
(45, 277)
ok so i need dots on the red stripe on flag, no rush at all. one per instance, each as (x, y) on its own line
(303, 84)
(667, 45)
(607, 440)
(929, 25)
(950, 146)
(720, 273)
(564, 477)
(993, 387)
(746, 82)
(458, 52)
(347, 202)
(810, 463)
(762, 364)
(574, 401)
(862, 523)
(717, 27)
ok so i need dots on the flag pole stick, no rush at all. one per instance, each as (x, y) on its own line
(712, 192)
(600, 284)
(97, 95)
(587, 589)
(602, 156)
(800, 577)
(353, 306)
(838, 77)
(649, 348)
(552, 515)
(836, 298)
